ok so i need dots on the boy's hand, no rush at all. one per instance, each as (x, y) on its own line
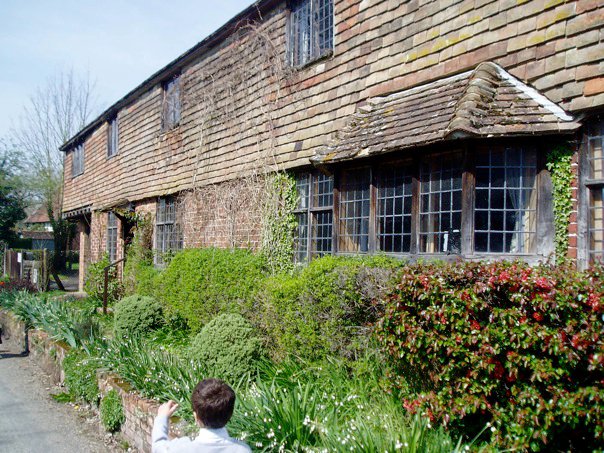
(167, 409)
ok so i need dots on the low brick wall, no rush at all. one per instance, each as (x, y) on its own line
(13, 330)
(49, 354)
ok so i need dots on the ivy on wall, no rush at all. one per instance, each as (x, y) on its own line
(279, 221)
(558, 163)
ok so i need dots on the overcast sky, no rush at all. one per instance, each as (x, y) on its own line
(119, 43)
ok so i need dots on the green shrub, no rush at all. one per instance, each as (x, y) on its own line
(80, 376)
(518, 346)
(229, 346)
(112, 411)
(136, 315)
(139, 271)
(95, 281)
(199, 284)
(324, 308)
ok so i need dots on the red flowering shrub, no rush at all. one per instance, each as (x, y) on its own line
(519, 347)
(12, 285)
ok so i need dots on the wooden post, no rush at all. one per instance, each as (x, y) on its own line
(106, 282)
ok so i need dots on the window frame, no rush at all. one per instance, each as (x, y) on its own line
(312, 211)
(315, 49)
(77, 160)
(171, 106)
(166, 238)
(112, 236)
(112, 137)
(592, 184)
(410, 166)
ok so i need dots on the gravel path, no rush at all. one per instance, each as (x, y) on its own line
(31, 421)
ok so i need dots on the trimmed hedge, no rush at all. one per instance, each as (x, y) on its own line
(200, 284)
(229, 347)
(520, 347)
(137, 315)
(325, 307)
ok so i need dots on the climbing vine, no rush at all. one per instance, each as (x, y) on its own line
(279, 221)
(558, 163)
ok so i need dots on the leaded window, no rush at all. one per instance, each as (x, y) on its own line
(505, 215)
(112, 137)
(395, 201)
(112, 236)
(168, 234)
(440, 205)
(310, 30)
(314, 216)
(171, 105)
(595, 185)
(77, 160)
(354, 211)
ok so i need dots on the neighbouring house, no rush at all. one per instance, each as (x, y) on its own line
(412, 128)
(37, 227)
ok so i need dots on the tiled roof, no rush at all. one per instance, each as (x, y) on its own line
(40, 215)
(485, 102)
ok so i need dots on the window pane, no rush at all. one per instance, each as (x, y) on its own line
(596, 227)
(505, 214)
(596, 157)
(354, 211)
(303, 190)
(301, 237)
(440, 207)
(322, 233)
(310, 30)
(323, 191)
(394, 210)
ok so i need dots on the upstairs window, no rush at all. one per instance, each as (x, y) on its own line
(112, 137)
(77, 161)
(310, 30)
(171, 104)
(168, 234)
(112, 236)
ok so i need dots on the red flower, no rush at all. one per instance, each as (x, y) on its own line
(504, 277)
(594, 301)
(543, 284)
(475, 325)
(562, 336)
(538, 316)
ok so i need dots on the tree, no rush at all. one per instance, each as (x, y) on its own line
(11, 195)
(55, 113)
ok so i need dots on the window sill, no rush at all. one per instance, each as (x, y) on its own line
(314, 61)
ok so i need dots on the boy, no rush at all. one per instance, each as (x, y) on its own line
(213, 402)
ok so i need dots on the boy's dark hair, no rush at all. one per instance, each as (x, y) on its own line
(213, 401)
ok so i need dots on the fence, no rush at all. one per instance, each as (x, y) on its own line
(30, 265)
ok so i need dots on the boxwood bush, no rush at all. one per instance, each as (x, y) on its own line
(325, 307)
(519, 347)
(229, 347)
(137, 315)
(200, 284)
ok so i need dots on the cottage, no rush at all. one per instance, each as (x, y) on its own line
(414, 128)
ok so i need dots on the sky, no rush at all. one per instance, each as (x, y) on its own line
(118, 43)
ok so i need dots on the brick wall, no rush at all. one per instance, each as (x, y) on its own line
(241, 112)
